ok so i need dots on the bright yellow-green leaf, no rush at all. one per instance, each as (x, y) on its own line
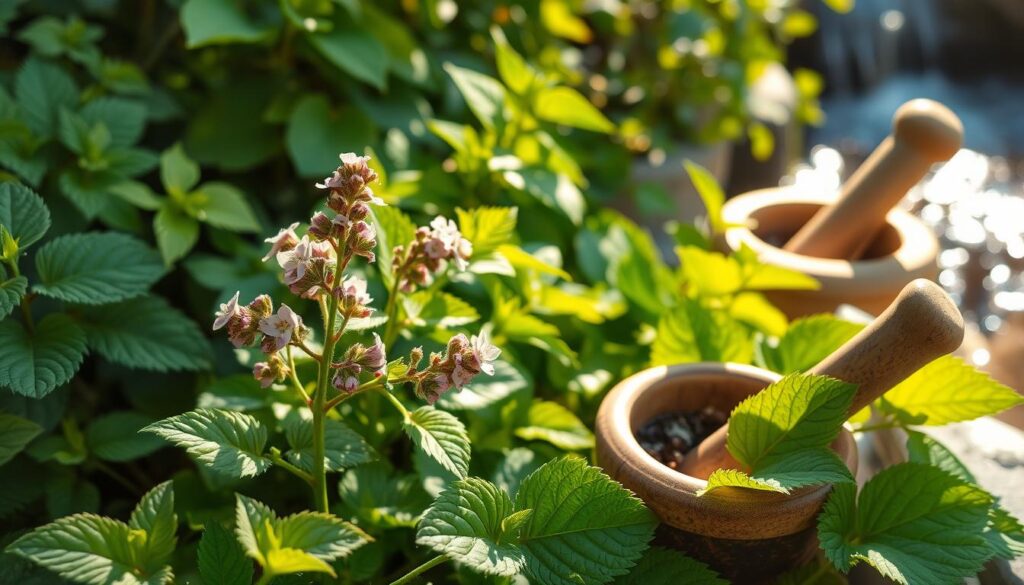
(566, 106)
(521, 259)
(840, 6)
(710, 193)
(799, 23)
(711, 274)
(283, 561)
(754, 309)
(557, 17)
(948, 390)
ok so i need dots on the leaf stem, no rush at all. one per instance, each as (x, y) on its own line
(391, 311)
(265, 578)
(275, 456)
(391, 398)
(411, 575)
(295, 378)
(370, 385)
(26, 299)
(319, 400)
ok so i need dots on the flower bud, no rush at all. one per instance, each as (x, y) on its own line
(319, 226)
(359, 211)
(344, 381)
(261, 307)
(270, 371)
(363, 239)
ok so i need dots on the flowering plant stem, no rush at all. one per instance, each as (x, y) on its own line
(408, 577)
(319, 400)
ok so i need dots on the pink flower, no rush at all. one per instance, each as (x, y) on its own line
(375, 357)
(285, 240)
(227, 311)
(345, 382)
(264, 374)
(354, 297)
(483, 353)
(296, 261)
(281, 326)
(461, 376)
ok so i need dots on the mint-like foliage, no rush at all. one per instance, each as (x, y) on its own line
(226, 442)
(34, 363)
(96, 268)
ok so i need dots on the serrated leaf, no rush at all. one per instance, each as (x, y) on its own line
(380, 498)
(147, 333)
(19, 485)
(465, 524)
(125, 119)
(226, 207)
(88, 549)
(23, 213)
(566, 106)
(661, 566)
(914, 523)
(692, 333)
(226, 442)
(948, 390)
(221, 559)
(522, 260)
(556, 424)
(96, 268)
(343, 447)
(438, 309)
(176, 232)
(797, 413)
(300, 542)
(709, 273)
(808, 341)
(802, 468)
(11, 291)
(155, 515)
(487, 227)
(42, 90)
(441, 436)
(585, 527)
(484, 94)
(551, 189)
(15, 433)
(33, 363)
(115, 436)
(516, 466)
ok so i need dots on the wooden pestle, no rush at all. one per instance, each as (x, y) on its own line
(924, 132)
(919, 326)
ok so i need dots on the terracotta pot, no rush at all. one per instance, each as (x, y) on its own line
(746, 535)
(904, 249)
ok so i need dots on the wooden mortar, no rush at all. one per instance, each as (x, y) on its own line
(749, 535)
(860, 249)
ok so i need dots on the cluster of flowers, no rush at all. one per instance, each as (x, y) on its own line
(312, 266)
(461, 361)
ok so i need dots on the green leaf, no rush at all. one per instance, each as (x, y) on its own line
(33, 363)
(124, 119)
(148, 333)
(11, 291)
(797, 413)
(488, 228)
(138, 194)
(394, 228)
(760, 276)
(438, 309)
(90, 549)
(465, 524)
(226, 442)
(379, 498)
(754, 310)
(96, 268)
(355, 51)
(808, 341)
(710, 274)
(300, 542)
(948, 390)
(585, 527)
(15, 433)
(178, 173)
(23, 213)
(484, 94)
(317, 133)
(344, 448)
(710, 193)
(155, 515)
(115, 436)
(522, 260)
(661, 566)
(692, 333)
(512, 69)
(914, 523)
(42, 90)
(441, 436)
(176, 232)
(221, 558)
(783, 474)
(220, 22)
(555, 191)
(566, 106)
(556, 424)
(227, 208)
